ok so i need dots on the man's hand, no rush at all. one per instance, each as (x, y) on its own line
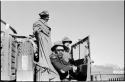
(74, 68)
(39, 30)
(62, 71)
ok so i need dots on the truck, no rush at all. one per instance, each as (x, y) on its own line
(18, 57)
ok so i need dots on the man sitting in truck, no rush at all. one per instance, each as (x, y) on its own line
(59, 62)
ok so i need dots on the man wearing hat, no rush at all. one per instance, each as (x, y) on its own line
(67, 56)
(42, 32)
(66, 42)
(41, 24)
(58, 61)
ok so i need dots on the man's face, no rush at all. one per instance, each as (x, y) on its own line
(67, 44)
(46, 19)
(59, 50)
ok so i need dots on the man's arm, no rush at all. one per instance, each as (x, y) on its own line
(55, 61)
(36, 27)
(40, 27)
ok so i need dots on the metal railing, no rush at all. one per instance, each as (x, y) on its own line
(13, 30)
(107, 77)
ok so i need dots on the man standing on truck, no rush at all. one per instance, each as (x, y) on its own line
(42, 32)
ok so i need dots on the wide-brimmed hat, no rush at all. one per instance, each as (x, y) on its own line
(66, 39)
(56, 44)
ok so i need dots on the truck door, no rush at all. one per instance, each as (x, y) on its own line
(81, 56)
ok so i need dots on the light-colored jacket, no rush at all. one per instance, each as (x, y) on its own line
(44, 36)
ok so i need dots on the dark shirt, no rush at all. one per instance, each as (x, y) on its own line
(60, 64)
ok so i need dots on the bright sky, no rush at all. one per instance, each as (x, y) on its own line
(102, 21)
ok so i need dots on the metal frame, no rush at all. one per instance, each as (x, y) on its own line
(88, 57)
(14, 31)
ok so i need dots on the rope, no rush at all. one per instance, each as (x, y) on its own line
(45, 69)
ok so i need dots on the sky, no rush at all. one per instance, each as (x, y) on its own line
(103, 21)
